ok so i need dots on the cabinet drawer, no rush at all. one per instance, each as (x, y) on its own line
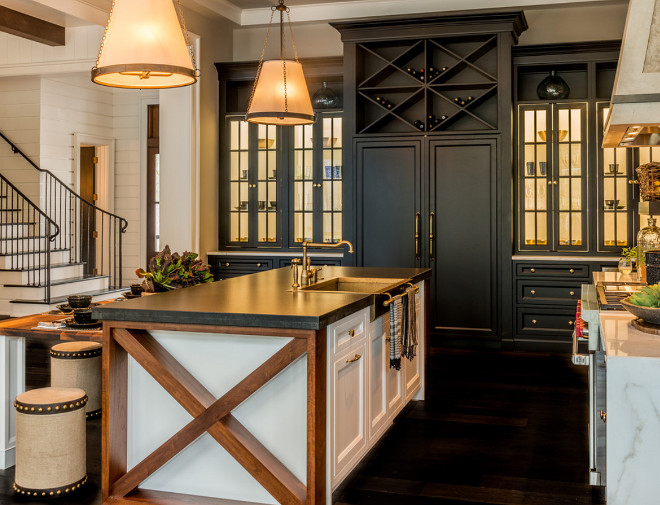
(548, 293)
(348, 331)
(545, 322)
(224, 267)
(331, 262)
(568, 270)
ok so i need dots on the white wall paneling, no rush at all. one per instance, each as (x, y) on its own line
(12, 383)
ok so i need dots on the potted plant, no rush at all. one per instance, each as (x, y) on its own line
(168, 271)
(627, 260)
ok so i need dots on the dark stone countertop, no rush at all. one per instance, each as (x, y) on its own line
(263, 299)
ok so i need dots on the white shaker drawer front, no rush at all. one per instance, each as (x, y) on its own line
(348, 331)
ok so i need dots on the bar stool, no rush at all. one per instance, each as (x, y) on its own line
(78, 365)
(50, 441)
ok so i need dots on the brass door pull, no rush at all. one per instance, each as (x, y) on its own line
(571, 271)
(227, 264)
(431, 236)
(572, 293)
(353, 360)
(533, 292)
(532, 270)
(533, 321)
(603, 416)
(417, 235)
(351, 332)
(570, 323)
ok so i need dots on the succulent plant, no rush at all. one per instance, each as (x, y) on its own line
(168, 271)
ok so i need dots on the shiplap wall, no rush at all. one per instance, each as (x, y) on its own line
(19, 121)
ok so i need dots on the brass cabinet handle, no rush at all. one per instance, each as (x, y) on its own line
(572, 293)
(431, 237)
(549, 183)
(227, 264)
(603, 416)
(532, 270)
(555, 182)
(570, 323)
(417, 236)
(258, 265)
(533, 292)
(353, 360)
(571, 271)
(533, 321)
(633, 181)
(351, 332)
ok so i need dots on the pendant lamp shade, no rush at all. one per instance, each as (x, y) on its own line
(277, 102)
(145, 46)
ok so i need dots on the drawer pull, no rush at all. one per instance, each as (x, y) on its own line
(571, 271)
(570, 323)
(351, 332)
(533, 292)
(533, 321)
(532, 270)
(353, 360)
(258, 265)
(603, 416)
(572, 293)
(227, 264)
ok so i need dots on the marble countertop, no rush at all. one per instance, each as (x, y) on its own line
(621, 340)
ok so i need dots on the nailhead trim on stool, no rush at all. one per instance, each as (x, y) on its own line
(50, 408)
(56, 491)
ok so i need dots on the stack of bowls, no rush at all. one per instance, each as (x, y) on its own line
(82, 313)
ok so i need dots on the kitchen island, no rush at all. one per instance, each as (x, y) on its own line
(244, 390)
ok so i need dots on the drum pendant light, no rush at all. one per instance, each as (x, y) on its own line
(145, 45)
(280, 95)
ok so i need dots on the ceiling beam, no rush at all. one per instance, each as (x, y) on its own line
(30, 28)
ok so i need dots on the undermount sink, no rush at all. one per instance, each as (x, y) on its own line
(354, 285)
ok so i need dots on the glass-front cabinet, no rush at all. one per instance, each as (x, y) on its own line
(254, 191)
(615, 191)
(317, 174)
(284, 171)
(553, 177)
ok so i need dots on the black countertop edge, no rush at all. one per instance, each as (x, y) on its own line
(241, 320)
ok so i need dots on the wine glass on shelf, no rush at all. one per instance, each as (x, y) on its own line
(625, 265)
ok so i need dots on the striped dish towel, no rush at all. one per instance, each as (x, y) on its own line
(396, 316)
(409, 347)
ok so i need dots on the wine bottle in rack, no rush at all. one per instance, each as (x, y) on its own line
(419, 125)
(459, 101)
(421, 75)
(413, 72)
(384, 102)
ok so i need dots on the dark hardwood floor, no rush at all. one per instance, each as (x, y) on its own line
(498, 428)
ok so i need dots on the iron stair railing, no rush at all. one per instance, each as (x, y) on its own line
(89, 234)
(26, 236)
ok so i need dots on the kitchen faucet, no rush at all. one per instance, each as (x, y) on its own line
(304, 277)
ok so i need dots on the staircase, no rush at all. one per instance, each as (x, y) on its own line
(62, 247)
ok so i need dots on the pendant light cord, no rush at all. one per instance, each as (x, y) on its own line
(261, 58)
(105, 33)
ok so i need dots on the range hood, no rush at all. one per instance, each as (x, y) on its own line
(634, 118)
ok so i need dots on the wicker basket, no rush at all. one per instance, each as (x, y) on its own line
(649, 181)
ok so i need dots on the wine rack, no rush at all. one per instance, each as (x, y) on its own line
(427, 85)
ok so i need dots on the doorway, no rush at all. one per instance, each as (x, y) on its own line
(87, 189)
(153, 182)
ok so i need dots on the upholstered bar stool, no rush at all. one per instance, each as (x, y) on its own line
(50, 441)
(78, 365)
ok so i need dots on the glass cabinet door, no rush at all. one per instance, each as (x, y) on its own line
(534, 180)
(254, 160)
(569, 179)
(239, 185)
(615, 192)
(552, 177)
(317, 172)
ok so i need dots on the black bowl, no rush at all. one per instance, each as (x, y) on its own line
(79, 301)
(136, 289)
(83, 316)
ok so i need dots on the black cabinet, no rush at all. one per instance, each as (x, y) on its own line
(224, 267)
(389, 186)
(463, 232)
(432, 157)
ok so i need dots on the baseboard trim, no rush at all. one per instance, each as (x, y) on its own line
(7, 458)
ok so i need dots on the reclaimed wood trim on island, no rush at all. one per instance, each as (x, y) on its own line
(168, 353)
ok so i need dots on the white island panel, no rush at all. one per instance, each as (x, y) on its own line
(276, 415)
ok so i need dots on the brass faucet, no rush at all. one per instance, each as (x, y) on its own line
(307, 244)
